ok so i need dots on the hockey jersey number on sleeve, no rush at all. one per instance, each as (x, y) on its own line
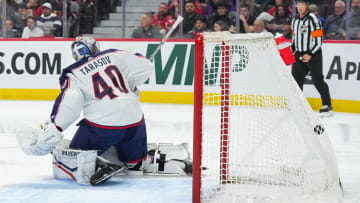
(102, 89)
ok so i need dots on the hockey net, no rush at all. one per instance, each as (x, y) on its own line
(256, 139)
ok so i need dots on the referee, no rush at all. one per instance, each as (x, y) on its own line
(306, 44)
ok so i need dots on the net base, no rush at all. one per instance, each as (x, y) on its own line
(255, 193)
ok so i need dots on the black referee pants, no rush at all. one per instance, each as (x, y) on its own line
(300, 70)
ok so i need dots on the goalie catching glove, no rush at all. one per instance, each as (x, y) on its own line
(38, 142)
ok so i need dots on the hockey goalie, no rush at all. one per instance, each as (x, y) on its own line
(111, 138)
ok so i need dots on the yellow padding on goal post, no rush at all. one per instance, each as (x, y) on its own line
(250, 100)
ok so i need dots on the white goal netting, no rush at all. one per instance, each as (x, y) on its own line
(261, 141)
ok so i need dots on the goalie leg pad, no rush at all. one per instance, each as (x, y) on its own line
(78, 165)
(168, 159)
(163, 158)
(172, 151)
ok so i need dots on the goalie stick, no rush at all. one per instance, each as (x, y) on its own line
(173, 27)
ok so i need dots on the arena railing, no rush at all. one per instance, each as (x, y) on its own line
(65, 25)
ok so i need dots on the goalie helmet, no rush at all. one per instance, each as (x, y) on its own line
(84, 47)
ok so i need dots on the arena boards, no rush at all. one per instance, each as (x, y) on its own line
(29, 70)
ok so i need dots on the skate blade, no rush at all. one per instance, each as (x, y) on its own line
(326, 114)
(104, 178)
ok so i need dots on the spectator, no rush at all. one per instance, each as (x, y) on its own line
(354, 21)
(279, 2)
(259, 26)
(333, 22)
(203, 4)
(211, 7)
(11, 32)
(190, 16)
(200, 26)
(57, 6)
(163, 20)
(198, 7)
(222, 13)
(286, 28)
(220, 26)
(281, 14)
(49, 22)
(174, 7)
(313, 8)
(20, 18)
(73, 20)
(34, 8)
(251, 5)
(246, 20)
(32, 30)
(87, 17)
(146, 30)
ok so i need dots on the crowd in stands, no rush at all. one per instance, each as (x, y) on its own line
(43, 18)
(254, 17)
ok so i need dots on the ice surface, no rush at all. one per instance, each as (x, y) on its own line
(29, 179)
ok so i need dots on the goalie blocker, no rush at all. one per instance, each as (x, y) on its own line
(84, 166)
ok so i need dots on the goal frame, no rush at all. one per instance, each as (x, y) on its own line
(292, 176)
(198, 104)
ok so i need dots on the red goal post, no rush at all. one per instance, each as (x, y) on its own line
(198, 102)
(199, 58)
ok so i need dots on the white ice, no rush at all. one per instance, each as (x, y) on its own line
(29, 179)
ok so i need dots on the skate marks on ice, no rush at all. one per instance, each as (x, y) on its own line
(29, 179)
(344, 133)
(118, 189)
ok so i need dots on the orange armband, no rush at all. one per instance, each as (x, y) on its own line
(317, 33)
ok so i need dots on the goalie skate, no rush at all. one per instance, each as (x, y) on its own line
(104, 173)
(326, 111)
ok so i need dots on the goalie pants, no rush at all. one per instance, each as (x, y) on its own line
(300, 70)
(130, 141)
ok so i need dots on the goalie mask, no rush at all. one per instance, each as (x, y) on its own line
(84, 47)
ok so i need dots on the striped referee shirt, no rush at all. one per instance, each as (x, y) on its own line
(307, 34)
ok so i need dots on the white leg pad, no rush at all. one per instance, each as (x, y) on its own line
(176, 155)
(172, 151)
(175, 158)
(171, 167)
(78, 165)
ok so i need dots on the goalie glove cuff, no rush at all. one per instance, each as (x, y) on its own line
(39, 142)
